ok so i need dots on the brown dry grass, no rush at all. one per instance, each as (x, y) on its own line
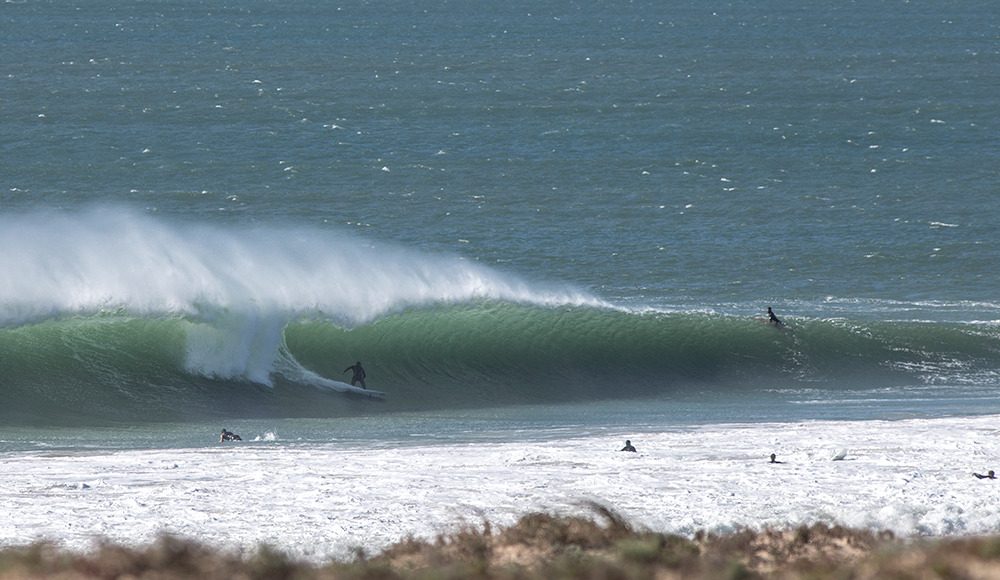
(543, 546)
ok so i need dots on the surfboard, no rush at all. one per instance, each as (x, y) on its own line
(348, 388)
(767, 321)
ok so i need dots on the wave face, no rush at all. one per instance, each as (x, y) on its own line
(116, 316)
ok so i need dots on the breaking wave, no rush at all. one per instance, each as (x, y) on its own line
(113, 315)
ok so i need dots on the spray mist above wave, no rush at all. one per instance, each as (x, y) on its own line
(118, 259)
(236, 288)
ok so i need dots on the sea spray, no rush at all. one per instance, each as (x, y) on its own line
(111, 258)
(239, 346)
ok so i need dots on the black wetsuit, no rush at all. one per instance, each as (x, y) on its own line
(359, 375)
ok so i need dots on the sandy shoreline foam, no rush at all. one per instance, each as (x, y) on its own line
(320, 501)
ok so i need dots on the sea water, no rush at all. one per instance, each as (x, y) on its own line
(543, 227)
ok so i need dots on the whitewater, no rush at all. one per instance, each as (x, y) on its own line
(324, 500)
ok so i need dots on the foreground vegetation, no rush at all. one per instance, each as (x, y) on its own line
(542, 546)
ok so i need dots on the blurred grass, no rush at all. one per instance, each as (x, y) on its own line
(543, 546)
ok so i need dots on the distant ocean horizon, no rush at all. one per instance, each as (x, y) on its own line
(539, 225)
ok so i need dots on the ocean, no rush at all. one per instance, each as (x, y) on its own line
(543, 228)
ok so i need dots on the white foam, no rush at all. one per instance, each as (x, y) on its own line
(320, 500)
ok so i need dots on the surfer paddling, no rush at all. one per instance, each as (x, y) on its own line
(989, 475)
(359, 374)
(229, 436)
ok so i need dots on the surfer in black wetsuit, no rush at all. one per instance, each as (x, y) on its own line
(774, 459)
(229, 436)
(628, 447)
(989, 475)
(359, 374)
(771, 318)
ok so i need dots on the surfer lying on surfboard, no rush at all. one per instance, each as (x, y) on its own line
(228, 435)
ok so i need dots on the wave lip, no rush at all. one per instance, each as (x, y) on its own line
(113, 259)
